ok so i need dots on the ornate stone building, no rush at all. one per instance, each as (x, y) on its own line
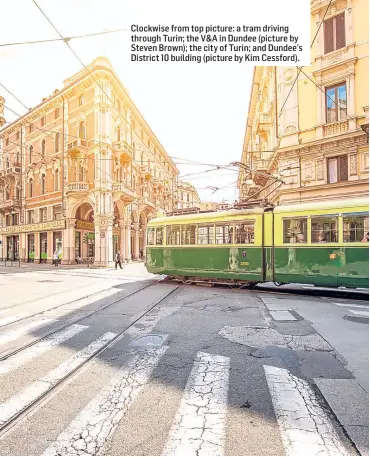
(187, 195)
(81, 174)
(306, 137)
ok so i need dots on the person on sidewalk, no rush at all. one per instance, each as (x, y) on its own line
(118, 260)
(55, 259)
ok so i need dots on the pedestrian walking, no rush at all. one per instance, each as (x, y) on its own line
(55, 259)
(118, 260)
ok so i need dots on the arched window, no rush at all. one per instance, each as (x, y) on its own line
(31, 153)
(56, 180)
(43, 147)
(81, 100)
(82, 130)
(17, 157)
(56, 145)
(30, 189)
(81, 173)
(43, 183)
(118, 134)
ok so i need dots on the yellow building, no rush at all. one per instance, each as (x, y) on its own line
(81, 174)
(306, 137)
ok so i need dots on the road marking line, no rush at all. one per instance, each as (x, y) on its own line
(91, 428)
(198, 427)
(4, 310)
(36, 350)
(359, 313)
(6, 337)
(304, 426)
(11, 319)
(352, 306)
(18, 402)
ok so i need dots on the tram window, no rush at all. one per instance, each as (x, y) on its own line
(355, 228)
(324, 229)
(224, 233)
(205, 234)
(295, 230)
(188, 234)
(173, 234)
(244, 233)
(151, 236)
(159, 236)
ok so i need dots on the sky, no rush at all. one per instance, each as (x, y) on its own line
(197, 111)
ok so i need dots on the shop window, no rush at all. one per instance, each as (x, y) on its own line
(334, 33)
(224, 233)
(205, 234)
(173, 234)
(336, 103)
(57, 244)
(159, 236)
(151, 236)
(337, 169)
(295, 230)
(244, 232)
(188, 234)
(355, 228)
(324, 229)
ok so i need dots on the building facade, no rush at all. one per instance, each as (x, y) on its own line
(81, 174)
(306, 137)
(187, 195)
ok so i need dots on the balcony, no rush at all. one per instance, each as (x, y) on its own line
(9, 204)
(264, 122)
(122, 151)
(147, 201)
(123, 191)
(78, 146)
(77, 188)
(146, 172)
(337, 128)
(14, 170)
(158, 184)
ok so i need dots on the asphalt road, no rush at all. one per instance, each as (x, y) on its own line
(119, 363)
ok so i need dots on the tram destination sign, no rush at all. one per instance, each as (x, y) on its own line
(33, 227)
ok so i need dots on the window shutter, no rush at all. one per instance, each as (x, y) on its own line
(328, 36)
(343, 168)
(340, 32)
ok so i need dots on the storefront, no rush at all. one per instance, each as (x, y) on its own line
(43, 247)
(12, 243)
(31, 247)
(84, 240)
(57, 244)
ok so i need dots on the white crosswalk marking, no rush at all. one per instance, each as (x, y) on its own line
(304, 426)
(88, 432)
(18, 402)
(199, 423)
(359, 313)
(37, 349)
(348, 305)
(7, 337)
(11, 319)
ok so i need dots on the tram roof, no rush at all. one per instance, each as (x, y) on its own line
(239, 213)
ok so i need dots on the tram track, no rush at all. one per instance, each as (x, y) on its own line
(11, 422)
(76, 300)
(75, 321)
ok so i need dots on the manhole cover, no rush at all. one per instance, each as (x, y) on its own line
(149, 341)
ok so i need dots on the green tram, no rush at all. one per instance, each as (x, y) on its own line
(324, 244)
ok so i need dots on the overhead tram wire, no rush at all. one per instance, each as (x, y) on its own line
(300, 68)
(66, 39)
